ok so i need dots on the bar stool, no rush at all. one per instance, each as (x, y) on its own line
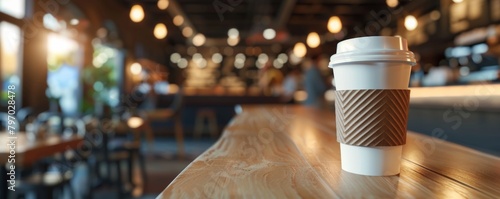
(174, 113)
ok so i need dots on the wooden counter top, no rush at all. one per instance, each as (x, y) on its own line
(292, 152)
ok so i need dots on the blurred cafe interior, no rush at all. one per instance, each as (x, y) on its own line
(114, 98)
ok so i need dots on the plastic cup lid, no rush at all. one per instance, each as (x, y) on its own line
(374, 48)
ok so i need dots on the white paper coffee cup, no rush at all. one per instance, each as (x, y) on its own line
(372, 63)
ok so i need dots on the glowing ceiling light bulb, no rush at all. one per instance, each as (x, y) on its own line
(160, 31)
(300, 49)
(334, 24)
(313, 40)
(136, 13)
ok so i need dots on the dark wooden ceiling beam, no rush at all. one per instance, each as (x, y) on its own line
(364, 2)
(335, 10)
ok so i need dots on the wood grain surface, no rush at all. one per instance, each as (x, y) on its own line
(29, 151)
(292, 152)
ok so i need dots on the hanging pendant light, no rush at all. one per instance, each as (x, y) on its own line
(233, 41)
(233, 33)
(187, 31)
(160, 31)
(136, 13)
(334, 24)
(178, 20)
(300, 49)
(162, 4)
(199, 39)
(313, 40)
(269, 33)
(392, 3)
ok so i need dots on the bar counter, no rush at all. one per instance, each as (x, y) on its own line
(291, 152)
(467, 114)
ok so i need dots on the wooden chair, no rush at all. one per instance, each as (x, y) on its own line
(104, 152)
(127, 149)
(39, 178)
(174, 112)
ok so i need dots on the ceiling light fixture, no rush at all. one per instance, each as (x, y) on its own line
(300, 50)
(269, 33)
(199, 39)
(160, 31)
(178, 20)
(162, 4)
(334, 24)
(392, 3)
(187, 31)
(136, 13)
(233, 33)
(233, 41)
(313, 40)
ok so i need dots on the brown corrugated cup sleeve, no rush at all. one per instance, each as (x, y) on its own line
(372, 117)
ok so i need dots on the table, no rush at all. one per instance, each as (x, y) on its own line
(292, 152)
(28, 152)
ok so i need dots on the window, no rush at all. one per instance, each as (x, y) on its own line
(64, 59)
(15, 8)
(104, 76)
(10, 58)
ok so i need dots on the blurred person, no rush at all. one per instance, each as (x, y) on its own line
(291, 84)
(313, 83)
(270, 80)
